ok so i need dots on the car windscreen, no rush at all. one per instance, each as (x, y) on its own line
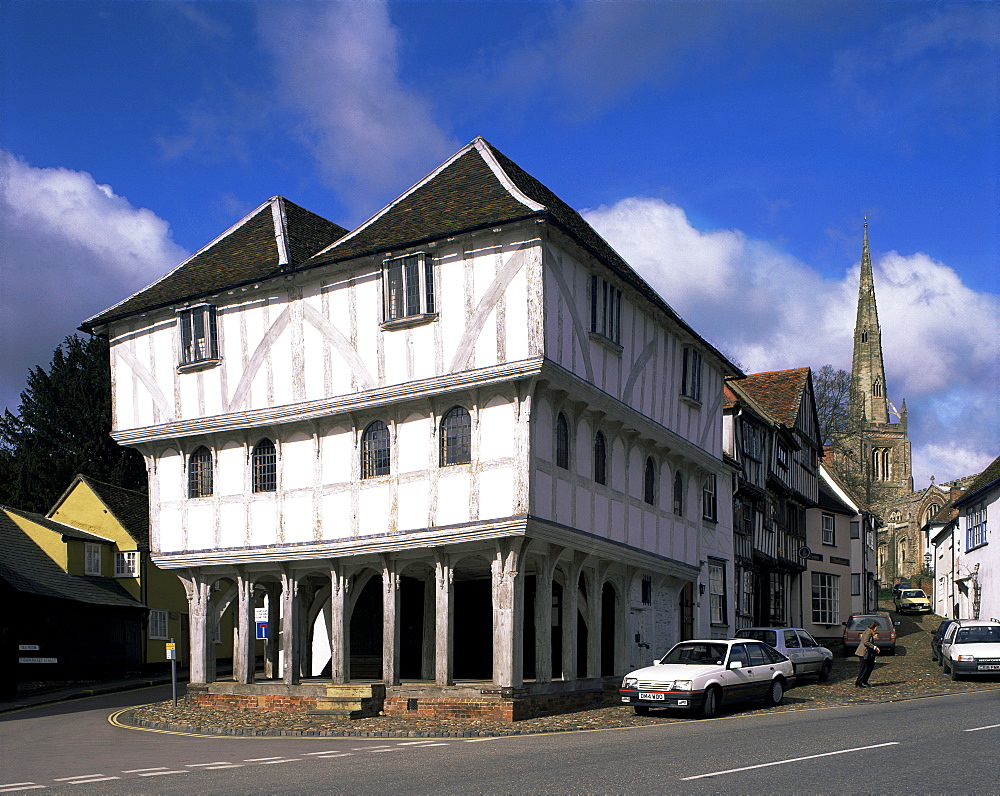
(767, 636)
(696, 654)
(978, 635)
(914, 593)
(861, 622)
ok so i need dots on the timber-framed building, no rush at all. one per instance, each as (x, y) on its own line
(463, 451)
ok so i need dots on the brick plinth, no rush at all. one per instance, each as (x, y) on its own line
(498, 708)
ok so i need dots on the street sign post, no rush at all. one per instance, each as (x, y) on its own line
(172, 657)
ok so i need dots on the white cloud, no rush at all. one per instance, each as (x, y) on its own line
(771, 311)
(71, 248)
(337, 67)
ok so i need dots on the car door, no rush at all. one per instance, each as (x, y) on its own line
(948, 640)
(739, 683)
(810, 652)
(793, 649)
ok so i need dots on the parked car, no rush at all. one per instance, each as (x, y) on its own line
(856, 624)
(702, 674)
(807, 655)
(903, 584)
(912, 600)
(936, 638)
(971, 646)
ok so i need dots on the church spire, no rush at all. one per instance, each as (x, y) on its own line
(869, 401)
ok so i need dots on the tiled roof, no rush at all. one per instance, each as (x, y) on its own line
(247, 252)
(55, 526)
(26, 567)
(130, 508)
(831, 502)
(779, 393)
(985, 479)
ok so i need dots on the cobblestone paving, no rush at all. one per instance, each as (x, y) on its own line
(909, 674)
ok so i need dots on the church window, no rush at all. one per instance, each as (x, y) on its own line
(375, 450)
(882, 464)
(649, 482)
(200, 473)
(264, 460)
(678, 495)
(864, 337)
(600, 458)
(691, 375)
(199, 338)
(605, 309)
(456, 437)
(562, 442)
(877, 388)
(932, 511)
(408, 287)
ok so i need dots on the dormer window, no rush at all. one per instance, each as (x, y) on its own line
(408, 288)
(605, 310)
(199, 337)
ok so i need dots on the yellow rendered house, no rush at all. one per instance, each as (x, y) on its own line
(114, 543)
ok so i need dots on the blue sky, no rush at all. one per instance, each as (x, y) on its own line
(728, 150)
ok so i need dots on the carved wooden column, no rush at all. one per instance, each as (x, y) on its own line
(390, 622)
(570, 617)
(290, 640)
(543, 613)
(340, 625)
(508, 616)
(244, 651)
(273, 621)
(444, 620)
(196, 587)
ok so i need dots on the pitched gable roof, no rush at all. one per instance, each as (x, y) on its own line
(26, 567)
(987, 478)
(129, 507)
(477, 188)
(275, 237)
(779, 393)
(61, 528)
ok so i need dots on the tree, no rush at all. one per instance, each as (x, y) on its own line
(832, 389)
(62, 428)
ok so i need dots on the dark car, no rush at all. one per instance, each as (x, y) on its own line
(856, 624)
(936, 637)
(903, 584)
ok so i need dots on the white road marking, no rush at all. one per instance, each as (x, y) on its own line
(433, 744)
(88, 781)
(477, 740)
(216, 763)
(340, 754)
(284, 760)
(376, 751)
(313, 754)
(20, 786)
(161, 773)
(78, 776)
(791, 760)
(261, 759)
(987, 727)
(140, 770)
(369, 748)
(227, 765)
(414, 743)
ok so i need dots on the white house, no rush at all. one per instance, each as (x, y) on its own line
(464, 444)
(966, 551)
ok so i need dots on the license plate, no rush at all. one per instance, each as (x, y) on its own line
(651, 695)
(990, 668)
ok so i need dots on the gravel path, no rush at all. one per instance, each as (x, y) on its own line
(909, 674)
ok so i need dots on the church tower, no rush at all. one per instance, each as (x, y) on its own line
(878, 430)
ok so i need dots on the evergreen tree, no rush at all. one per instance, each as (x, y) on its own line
(62, 428)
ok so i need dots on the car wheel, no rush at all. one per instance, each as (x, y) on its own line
(890, 651)
(824, 672)
(710, 705)
(955, 675)
(945, 666)
(775, 694)
(640, 710)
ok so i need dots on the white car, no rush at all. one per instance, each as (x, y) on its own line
(702, 674)
(808, 656)
(971, 647)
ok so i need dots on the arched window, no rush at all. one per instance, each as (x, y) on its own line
(678, 495)
(456, 437)
(649, 482)
(877, 388)
(375, 450)
(600, 459)
(932, 511)
(562, 442)
(264, 460)
(200, 473)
